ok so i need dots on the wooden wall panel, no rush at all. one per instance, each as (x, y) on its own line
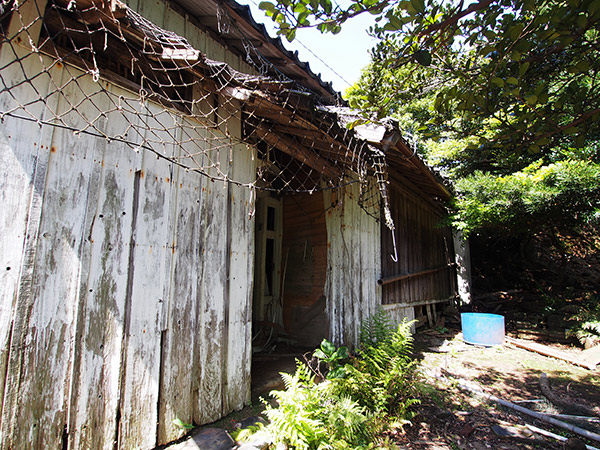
(304, 265)
(354, 265)
(422, 244)
(98, 353)
(150, 266)
(26, 152)
(24, 155)
(131, 306)
(176, 400)
(236, 384)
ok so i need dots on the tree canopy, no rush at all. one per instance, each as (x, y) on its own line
(501, 93)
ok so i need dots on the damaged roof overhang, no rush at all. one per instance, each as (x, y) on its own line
(291, 120)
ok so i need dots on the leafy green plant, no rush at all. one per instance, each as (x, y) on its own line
(376, 328)
(363, 396)
(333, 357)
(383, 376)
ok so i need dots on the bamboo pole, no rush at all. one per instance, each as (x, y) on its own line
(567, 426)
(558, 437)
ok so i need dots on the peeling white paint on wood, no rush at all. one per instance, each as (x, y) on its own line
(96, 377)
(178, 364)
(241, 274)
(24, 155)
(353, 265)
(150, 267)
(113, 340)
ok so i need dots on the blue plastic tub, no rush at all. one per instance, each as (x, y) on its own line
(482, 329)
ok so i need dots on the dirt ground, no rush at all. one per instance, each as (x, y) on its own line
(452, 418)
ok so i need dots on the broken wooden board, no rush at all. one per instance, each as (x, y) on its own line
(591, 356)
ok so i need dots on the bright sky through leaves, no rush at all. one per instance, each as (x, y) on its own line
(346, 53)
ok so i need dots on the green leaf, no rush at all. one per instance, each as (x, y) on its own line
(418, 5)
(487, 50)
(583, 65)
(394, 24)
(327, 347)
(498, 82)
(512, 80)
(338, 372)
(326, 5)
(523, 68)
(531, 99)
(515, 31)
(181, 424)
(266, 6)
(341, 353)
(423, 57)
(318, 353)
(543, 141)
(571, 130)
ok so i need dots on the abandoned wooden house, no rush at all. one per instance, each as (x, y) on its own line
(174, 184)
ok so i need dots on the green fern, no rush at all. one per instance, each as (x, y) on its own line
(311, 416)
(375, 328)
(378, 386)
(588, 323)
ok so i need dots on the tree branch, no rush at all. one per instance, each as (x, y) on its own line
(456, 17)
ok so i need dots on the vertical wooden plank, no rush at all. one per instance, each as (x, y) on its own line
(24, 153)
(95, 392)
(176, 400)
(237, 386)
(48, 323)
(354, 252)
(149, 270)
(210, 345)
(331, 284)
(196, 37)
(153, 10)
(173, 21)
(354, 265)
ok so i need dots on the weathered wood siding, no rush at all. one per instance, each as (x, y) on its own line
(424, 250)
(161, 13)
(353, 264)
(126, 281)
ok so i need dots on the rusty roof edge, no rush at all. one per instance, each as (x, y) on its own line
(245, 13)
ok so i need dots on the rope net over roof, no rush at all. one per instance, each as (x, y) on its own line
(206, 106)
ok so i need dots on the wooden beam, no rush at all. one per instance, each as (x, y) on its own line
(409, 187)
(406, 276)
(296, 151)
(403, 148)
(393, 306)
